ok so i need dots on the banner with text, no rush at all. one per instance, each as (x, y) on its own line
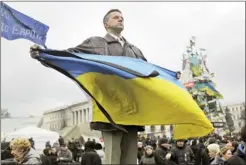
(16, 25)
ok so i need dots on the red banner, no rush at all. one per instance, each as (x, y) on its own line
(189, 84)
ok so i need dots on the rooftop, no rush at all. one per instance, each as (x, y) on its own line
(64, 107)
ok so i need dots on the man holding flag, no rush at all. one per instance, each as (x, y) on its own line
(120, 147)
(123, 90)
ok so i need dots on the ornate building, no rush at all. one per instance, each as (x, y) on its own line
(238, 115)
(70, 120)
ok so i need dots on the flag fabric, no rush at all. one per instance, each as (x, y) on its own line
(132, 91)
(16, 25)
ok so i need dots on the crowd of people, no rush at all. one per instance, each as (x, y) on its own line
(209, 150)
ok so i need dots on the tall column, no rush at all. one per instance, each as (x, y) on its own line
(84, 115)
(73, 117)
(80, 115)
(88, 115)
(77, 117)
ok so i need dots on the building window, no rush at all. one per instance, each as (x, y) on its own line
(152, 128)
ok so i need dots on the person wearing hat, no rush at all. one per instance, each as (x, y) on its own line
(149, 157)
(64, 155)
(23, 152)
(163, 148)
(120, 147)
(181, 154)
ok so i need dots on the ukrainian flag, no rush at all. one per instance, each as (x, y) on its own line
(130, 91)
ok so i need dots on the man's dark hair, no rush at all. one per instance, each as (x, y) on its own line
(90, 145)
(98, 146)
(243, 134)
(105, 18)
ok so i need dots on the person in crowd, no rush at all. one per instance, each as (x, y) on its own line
(47, 144)
(64, 155)
(222, 156)
(72, 147)
(45, 156)
(140, 151)
(6, 151)
(194, 146)
(90, 156)
(57, 146)
(100, 152)
(234, 147)
(150, 157)
(181, 154)
(53, 156)
(61, 140)
(239, 158)
(201, 156)
(23, 152)
(81, 140)
(163, 148)
(213, 150)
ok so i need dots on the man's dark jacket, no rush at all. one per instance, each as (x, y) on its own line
(108, 46)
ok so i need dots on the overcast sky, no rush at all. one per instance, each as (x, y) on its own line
(160, 30)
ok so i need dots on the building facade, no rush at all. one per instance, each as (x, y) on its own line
(238, 115)
(67, 116)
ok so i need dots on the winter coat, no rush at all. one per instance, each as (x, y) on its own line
(32, 158)
(90, 157)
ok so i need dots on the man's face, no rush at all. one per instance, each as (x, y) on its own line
(115, 21)
(178, 76)
(180, 143)
(149, 151)
(140, 145)
(63, 148)
(53, 150)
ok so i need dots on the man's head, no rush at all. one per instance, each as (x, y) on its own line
(114, 21)
(63, 147)
(180, 142)
(149, 150)
(178, 75)
(140, 144)
(53, 150)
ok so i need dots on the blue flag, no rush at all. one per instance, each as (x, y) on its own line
(16, 25)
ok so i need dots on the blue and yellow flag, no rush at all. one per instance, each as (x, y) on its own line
(128, 91)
